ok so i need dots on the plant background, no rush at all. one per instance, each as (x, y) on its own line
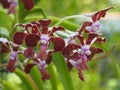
(104, 73)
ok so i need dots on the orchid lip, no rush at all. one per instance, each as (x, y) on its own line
(43, 41)
(42, 64)
(3, 40)
(88, 53)
(13, 55)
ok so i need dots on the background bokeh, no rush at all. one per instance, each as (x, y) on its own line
(104, 73)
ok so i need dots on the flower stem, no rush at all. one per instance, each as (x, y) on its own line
(74, 16)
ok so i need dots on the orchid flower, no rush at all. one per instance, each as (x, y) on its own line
(11, 5)
(38, 32)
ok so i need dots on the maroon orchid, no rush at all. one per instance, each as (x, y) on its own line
(39, 41)
(78, 55)
(11, 5)
(95, 25)
(28, 4)
(12, 47)
(38, 32)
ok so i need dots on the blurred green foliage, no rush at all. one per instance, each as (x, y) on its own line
(102, 74)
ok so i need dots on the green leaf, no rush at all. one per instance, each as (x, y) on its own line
(32, 12)
(4, 32)
(35, 74)
(63, 71)
(53, 78)
(5, 20)
(22, 12)
(7, 86)
(27, 84)
(36, 1)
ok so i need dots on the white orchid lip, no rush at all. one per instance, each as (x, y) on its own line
(4, 40)
(88, 53)
(42, 64)
(43, 41)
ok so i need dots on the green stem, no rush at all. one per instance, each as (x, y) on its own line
(67, 24)
(73, 16)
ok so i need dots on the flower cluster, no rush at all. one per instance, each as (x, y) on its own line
(77, 49)
(11, 5)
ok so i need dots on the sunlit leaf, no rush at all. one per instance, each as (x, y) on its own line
(27, 84)
(62, 69)
(5, 20)
(35, 74)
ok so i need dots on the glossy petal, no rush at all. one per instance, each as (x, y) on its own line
(97, 15)
(31, 40)
(81, 75)
(45, 75)
(84, 62)
(56, 29)
(67, 51)
(5, 48)
(94, 51)
(31, 28)
(18, 38)
(12, 8)
(101, 40)
(94, 27)
(90, 38)
(99, 50)
(58, 43)
(28, 4)
(5, 3)
(45, 24)
(42, 54)
(28, 67)
(69, 65)
(36, 23)
(11, 65)
(49, 58)
(29, 53)
(83, 27)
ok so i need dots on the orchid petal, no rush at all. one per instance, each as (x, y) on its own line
(81, 75)
(45, 75)
(58, 43)
(5, 48)
(97, 15)
(5, 3)
(31, 40)
(90, 38)
(28, 4)
(18, 38)
(67, 51)
(56, 29)
(29, 53)
(45, 24)
(11, 65)
(28, 67)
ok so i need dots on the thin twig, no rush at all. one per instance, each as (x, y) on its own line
(106, 54)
